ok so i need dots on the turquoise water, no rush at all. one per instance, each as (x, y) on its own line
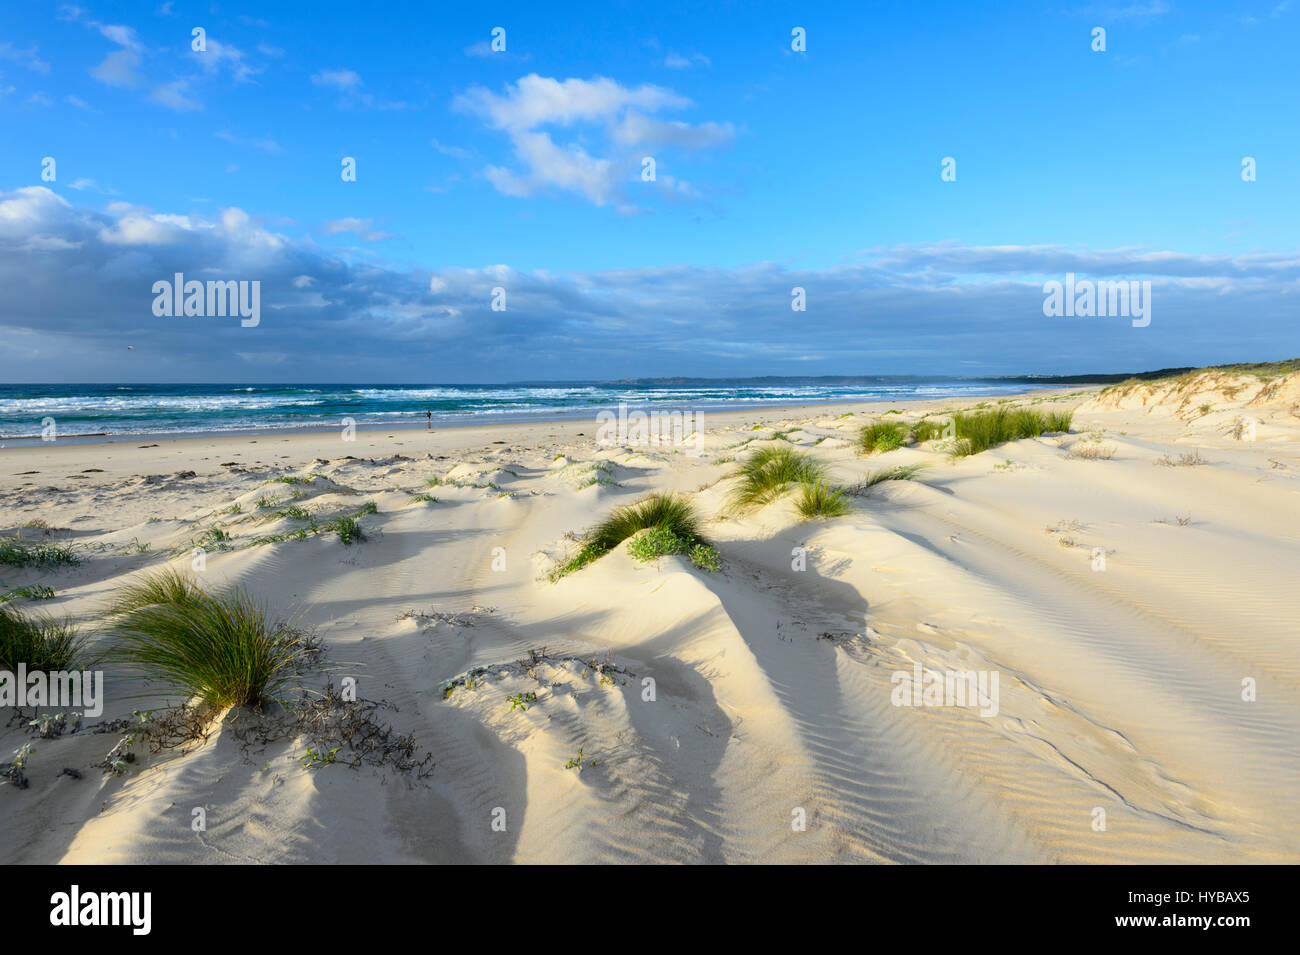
(213, 408)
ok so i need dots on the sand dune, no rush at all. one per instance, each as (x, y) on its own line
(1120, 690)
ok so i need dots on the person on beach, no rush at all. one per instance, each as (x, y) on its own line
(428, 421)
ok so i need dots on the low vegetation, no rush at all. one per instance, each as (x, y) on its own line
(30, 592)
(668, 515)
(16, 552)
(219, 647)
(1182, 461)
(904, 472)
(817, 499)
(978, 432)
(769, 473)
(1091, 452)
(39, 642)
(882, 436)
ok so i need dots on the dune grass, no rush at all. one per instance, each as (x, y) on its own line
(904, 472)
(882, 436)
(664, 512)
(817, 499)
(163, 587)
(928, 429)
(30, 592)
(16, 552)
(219, 647)
(768, 473)
(979, 432)
(39, 641)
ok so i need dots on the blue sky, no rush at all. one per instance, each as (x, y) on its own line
(521, 170)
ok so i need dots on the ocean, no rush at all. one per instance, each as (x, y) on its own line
(170, 410)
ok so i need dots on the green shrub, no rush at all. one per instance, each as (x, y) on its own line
(349, 529)
(706, 557)
(654, 543)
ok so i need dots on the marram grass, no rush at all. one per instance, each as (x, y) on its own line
(882, 436)
(668, 513)
(904, 472)
(768, 473)
(983, 430)
(39, 641)
(220, 647)
(16, 552)
(818, 499)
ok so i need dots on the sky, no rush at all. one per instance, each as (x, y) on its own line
(919, 172)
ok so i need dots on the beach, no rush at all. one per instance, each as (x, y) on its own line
(1122, 592)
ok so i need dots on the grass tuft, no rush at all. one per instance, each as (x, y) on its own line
(16, 552)
(818, 499)
(882, 436)
(666, 511)
(39, 641)
(768, 473)
(219, 647)
(30, 592)
(904, 472)
(979, 432)
(162, 587)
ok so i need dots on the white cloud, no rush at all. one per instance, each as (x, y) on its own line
(337, 79)
(121, 35)
(120, 68)
(456, 152)
(675, 61)
(175, 96)
(363, 229)
(539, 100)
(265, 144)
(620, 112)
(25, 58)
(218, 55)
(352, 95)
(638, 130)
(80, 278)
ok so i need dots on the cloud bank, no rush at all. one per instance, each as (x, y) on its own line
(77, 292)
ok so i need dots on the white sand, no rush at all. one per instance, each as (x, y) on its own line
(1120, 690)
